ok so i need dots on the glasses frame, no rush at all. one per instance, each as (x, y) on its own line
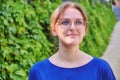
(67, 26)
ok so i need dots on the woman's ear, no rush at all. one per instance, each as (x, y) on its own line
(53, 31)
(85, 32)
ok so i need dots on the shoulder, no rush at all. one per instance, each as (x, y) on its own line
(38, 66)
(36, 70)
(104, 69)
(103, 66)
(101, 62)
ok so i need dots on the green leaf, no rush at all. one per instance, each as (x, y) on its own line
(20, 72)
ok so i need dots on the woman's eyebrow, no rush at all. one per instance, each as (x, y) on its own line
(70, 19)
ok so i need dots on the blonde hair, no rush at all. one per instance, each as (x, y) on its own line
(60, 10)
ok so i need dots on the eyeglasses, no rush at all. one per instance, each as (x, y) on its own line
(66, 23)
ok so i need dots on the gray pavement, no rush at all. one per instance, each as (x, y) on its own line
(112, 53)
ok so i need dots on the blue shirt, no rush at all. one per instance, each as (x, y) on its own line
(96, 69)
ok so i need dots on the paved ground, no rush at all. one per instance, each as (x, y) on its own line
(112, 53)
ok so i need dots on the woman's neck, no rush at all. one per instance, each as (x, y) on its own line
(70, 57)
(69, 53)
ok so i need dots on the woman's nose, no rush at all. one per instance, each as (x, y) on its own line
(72, 26)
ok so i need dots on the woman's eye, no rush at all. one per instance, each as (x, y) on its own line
(65, 22)
(79, 22)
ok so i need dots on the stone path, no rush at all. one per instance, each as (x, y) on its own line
(112, 53)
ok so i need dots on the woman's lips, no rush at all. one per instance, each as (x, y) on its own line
(72, 35)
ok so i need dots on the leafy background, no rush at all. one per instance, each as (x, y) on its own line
(25, 36)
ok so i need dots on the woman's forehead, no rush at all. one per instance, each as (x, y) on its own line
(72, 13)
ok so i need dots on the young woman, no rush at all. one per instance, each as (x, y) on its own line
(69, 24)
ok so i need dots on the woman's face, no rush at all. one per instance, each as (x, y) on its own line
(70, 28)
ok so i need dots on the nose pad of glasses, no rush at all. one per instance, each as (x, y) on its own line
(72, 26)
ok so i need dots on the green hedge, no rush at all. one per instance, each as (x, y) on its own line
(22, 39)
(25, 37)
(101, 24)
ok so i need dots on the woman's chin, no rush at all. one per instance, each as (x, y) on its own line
(72, 42)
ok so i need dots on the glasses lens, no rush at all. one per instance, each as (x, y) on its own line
(67, 23)
(79, 24)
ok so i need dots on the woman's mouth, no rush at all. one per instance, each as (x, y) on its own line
(72, 35)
